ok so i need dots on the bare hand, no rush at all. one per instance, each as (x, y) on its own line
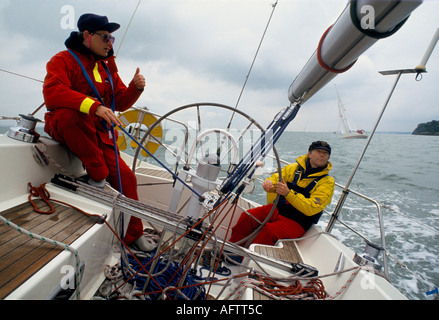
(108, 115)
(267, 185)
(282, 188)
(139, 80)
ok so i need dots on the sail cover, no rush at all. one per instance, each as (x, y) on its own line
(359, 26)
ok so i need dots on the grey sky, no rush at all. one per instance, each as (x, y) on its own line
(201, 50)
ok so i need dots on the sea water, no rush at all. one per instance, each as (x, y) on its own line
(401, 172)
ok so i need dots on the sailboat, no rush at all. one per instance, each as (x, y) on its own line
(77, 252)
(347, 128)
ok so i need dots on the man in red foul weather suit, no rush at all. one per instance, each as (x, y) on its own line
(79, 119)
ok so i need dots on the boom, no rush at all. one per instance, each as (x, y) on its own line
(360, 25)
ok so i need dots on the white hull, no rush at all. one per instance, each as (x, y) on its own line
(354, 135)
(97, 246)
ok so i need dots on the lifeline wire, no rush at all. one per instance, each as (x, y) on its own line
(20, 75)
(253, 62)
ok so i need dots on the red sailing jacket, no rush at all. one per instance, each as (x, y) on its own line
(65, 86)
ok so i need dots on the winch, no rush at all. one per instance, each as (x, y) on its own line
(25, 129)
(370, 256)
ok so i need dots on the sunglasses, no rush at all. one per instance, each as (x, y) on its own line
(106, 37)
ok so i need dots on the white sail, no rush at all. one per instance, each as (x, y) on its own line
(347, 128)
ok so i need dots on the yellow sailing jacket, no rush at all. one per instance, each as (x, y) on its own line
(319, 196)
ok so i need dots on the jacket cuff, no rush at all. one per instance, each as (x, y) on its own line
(133, 89)
(93, 108)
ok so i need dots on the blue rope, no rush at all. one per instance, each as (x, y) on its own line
(113, 107)
(432, 292)
(170, 277)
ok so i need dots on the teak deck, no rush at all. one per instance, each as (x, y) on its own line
(20, 255)
(288, 252)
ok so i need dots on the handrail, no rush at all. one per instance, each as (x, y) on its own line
(335, 215)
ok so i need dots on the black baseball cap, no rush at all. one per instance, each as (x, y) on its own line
(93, 22)
(320, 145)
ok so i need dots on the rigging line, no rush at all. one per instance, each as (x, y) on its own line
(20, 75)
(126, 30)
(206, 238)
(253, 62)
(222, 246)
(30, 78)
(276, 128)
(56, 243)
(169, 246)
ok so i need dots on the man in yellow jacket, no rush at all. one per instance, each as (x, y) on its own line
(305, 190)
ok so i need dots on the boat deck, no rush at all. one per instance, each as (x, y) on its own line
(20, 255)
(287, 251)
(157, 173)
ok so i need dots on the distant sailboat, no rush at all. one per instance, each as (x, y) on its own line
(347, 127)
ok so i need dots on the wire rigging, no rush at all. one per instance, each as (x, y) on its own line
(126, 31)
(21, 75)
(253, 62)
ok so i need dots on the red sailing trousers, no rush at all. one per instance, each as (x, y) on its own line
(78, 132)
(278, 226)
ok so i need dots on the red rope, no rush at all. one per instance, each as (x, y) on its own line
(313, 287)
(43, 194)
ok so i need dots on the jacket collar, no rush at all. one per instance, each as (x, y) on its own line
(303, 161)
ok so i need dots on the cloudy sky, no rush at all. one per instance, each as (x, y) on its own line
(201, 50)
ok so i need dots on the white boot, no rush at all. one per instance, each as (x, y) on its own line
(145, 244)
(97, 184)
